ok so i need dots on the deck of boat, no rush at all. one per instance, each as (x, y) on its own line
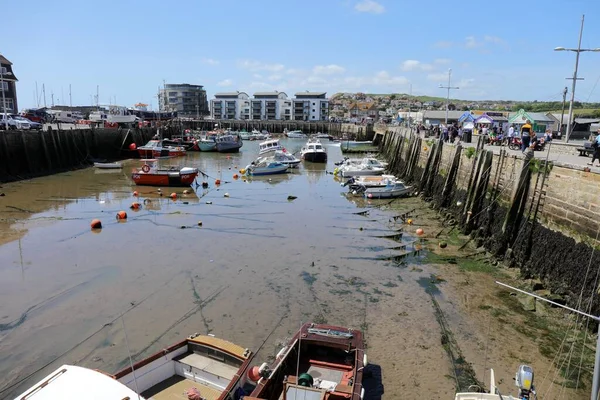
(175, 388)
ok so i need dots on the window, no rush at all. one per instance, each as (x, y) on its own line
(314, 104)
(4, 86)
(313, 110)
(3, 70)
(9, 105)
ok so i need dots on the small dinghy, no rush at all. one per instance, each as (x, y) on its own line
(106, 165)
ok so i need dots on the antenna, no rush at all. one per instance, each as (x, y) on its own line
(298, 362)
(37, 95)
(44, 91)
(70, 99)
(137, 391)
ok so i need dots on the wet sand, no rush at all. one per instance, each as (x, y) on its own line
(259, 266)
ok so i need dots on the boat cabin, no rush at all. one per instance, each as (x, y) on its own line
(314, 146)
(268, 146)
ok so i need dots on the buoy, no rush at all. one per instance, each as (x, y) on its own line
(235, 166)
(121, 215)
(254, 374)
(425, 148)
(173, 195)
(217, 182)
(235, 176)
(199, 223)
(370, 195)
(96, 224)
(226, 195)
(409, 221)
(132, 146)
(420, 231)
(186, 191)
(159, 189)
(243, 171)
(135, 193)
(135, 205)
(443, 245)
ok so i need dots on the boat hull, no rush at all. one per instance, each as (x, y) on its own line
(108, 165)
(207, 146)
(357, 172)
(382, 193)
(229, 147)
(260, 171)
(174, 179)
(160, 153)
(316, 157)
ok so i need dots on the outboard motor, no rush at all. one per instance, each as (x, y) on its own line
(349, 182)
(524, 381)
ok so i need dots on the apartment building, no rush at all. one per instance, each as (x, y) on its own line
(8, 87)
(310, 106)
(189, 101)
(230, 105)
(271, 106)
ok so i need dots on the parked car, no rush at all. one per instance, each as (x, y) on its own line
(8, 121)
(36, 115)
(32, 124)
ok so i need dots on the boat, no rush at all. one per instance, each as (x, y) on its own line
(284, 157)
(366, 181)
(367, 166)
(266, 166)
(207, 143)
(107, 165)
(113, 114)
(323, 136)
(156, 149)
(296, 135)
(314, 151)
(390, 191)
(245, 135)
(151, 175)
(256, 135)
(321, 362)
(269, 146)
(523, 380)
(357, 161)
(202, 366)
(228, 143)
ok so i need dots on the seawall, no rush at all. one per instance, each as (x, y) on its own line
(26, 154)
(544, 219)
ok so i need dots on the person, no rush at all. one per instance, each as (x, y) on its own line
(526, 131)
(596, 146)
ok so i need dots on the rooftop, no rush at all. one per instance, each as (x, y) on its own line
(311, 94)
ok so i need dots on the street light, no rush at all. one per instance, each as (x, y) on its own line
(448, 95)
(578, 50)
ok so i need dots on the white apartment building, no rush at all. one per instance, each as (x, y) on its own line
(306, 106)
(310, 106)
(271, 106)
(230, 105)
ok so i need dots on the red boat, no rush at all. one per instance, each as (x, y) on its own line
(156, 149)
(151, 175)
(321, 362)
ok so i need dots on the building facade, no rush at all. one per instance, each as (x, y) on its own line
(189, 101)
(8, 87)
(305, 106)
(230, 105)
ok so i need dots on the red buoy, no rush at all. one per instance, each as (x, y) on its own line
(121, 215)
(96, 224)
(173, 196)
(132, 146)
(420, 232)
(135, 193)
(218, 182)
(254, 374)
(135, 206)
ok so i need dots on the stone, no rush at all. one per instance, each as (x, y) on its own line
(527, 302)
(536, 284)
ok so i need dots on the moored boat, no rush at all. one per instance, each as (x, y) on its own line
(321, 362)
(156, 149)
(266, 166)
(207, 143)
(269, 146)
(366, 181)
(523, 380)
(295, 135)
(284, 157)
(314, 151)
(228, 143)
(366, 166)
(151, 175)
(107, 165)
(390, 191)
(199, 367)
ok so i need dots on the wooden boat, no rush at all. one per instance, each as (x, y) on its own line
(202, 366)
(151, 175)
(321, 362)
(156, 149)
(107, 165)
(314, 151)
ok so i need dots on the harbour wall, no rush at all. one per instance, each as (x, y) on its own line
(26, 154)
(541, 218)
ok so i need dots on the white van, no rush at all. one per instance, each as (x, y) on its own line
(66, 117)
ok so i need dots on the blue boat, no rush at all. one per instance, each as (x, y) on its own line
(266, 167)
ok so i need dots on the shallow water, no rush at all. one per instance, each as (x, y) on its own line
(258, 267)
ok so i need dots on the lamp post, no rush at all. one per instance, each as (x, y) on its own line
(4, 120)
(578, 50)
(448, 95)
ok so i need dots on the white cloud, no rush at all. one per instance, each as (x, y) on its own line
(414, 65)
(466, 83)
(225, 83)
(442, 61)
(438, 77)
(471, 42)
(210, 61)
(274, 77)
(369, 6)
(253, 65)
(330, 69)
(494, 39)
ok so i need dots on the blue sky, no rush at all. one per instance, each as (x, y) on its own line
(499, 50)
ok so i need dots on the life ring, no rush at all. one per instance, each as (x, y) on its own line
(146, 168)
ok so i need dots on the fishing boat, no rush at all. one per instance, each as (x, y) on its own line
(269, 146)
(228, 143)
(356, 182)
(390, 191)
(321, 362)
(207, 143)
(314, 151)
(523, 380)
(150, 174)
(156, 149)
(107, 165)
(266, 166)
(199, 367)
(295, 135)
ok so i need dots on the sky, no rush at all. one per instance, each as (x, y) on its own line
(128, 48)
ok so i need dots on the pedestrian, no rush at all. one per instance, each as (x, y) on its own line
(526, 131)
(596, 146)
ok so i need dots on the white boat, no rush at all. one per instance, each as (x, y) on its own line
(296, 135)
(282, 157)
(357, 182)
(245, 135)
(114, 115)
(269, 146)
(314, 151)
(323, 136)
(523, 381)
(266, 166)
(390, 191)
(204, 366)
(367, 166)
(256, 135)
(115, 165)
(358, 161)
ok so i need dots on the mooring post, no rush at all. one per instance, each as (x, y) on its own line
(451, 177)
(519, 198)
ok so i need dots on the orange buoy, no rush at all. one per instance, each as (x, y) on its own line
(217, 182)
(425, 148)
(135, 205)
(121, 215)
(135, 193)
(409, 221)
(235, 176)
(173, 195)
(132, 146)
(96, 224)
(420, 231)
(254, 374)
